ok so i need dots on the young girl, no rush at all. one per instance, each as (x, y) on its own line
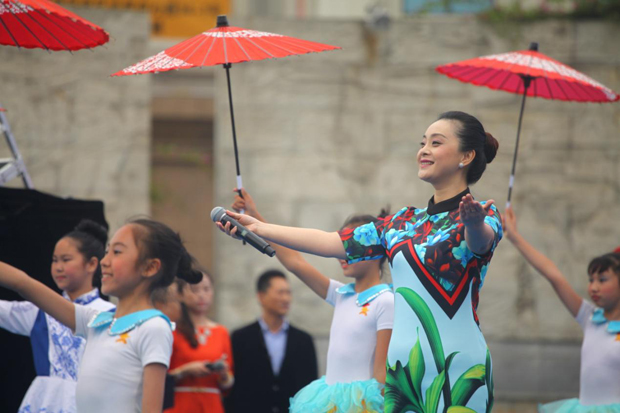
(599, 387)
(360, 331)
(201, 354)
(127, 352)
(438, 359)
(57, 352)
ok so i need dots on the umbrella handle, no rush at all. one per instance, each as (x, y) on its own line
(239, 186)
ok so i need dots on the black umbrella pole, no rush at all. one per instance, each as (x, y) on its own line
(514, 159)
(234, 132)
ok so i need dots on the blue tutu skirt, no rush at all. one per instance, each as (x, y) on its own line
(355, 397)
(573, 406)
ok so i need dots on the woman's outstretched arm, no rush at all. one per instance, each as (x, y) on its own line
(311, 241)
(37, 293)
(542, 264)
(292, 260)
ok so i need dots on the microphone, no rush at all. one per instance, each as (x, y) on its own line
(218, 214)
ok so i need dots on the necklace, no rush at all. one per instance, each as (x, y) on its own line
(202, 335)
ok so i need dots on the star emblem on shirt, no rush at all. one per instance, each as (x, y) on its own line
(618, 337)
(123, 338)
(365, 309)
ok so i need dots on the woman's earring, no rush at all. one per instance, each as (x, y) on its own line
(461, 166)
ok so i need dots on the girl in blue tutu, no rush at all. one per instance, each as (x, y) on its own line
(599, 387)
(360, 331)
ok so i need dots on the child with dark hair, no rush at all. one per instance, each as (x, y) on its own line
(57, 352)
(360, 330)
(201, 360)
(127, 351)
(599, 387)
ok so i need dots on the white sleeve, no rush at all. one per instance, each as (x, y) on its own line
(385, 311)
(332, 295)
(83, 315)
(585, 313)
(18, 317)
(154, 343)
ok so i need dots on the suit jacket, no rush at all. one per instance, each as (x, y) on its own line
(256, 387)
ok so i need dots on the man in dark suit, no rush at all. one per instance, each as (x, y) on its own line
(273, 360)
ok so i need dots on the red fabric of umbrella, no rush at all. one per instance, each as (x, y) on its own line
(224, 45)
(530, 73)
(550, 78)
(45, 25)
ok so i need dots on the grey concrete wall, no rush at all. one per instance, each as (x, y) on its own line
(325, 135)
(82, 133)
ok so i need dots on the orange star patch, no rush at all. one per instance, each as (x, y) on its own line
(123, 338)
(365, 309)
(618, 337)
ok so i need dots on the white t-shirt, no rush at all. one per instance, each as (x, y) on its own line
(600, 361)
(111, 371)
(353, 334)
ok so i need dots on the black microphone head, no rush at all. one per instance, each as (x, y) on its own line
(217, 213)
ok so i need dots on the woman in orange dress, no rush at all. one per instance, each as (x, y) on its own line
(201, 361)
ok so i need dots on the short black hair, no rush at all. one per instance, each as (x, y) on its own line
(609, 261)
(264, 280)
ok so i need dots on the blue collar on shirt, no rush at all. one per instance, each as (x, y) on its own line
(84, 299)
(127, 322)
(365, 296)
(599, 318)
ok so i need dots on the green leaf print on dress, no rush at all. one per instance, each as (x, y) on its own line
(403, 391)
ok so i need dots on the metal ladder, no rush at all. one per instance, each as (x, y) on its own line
(11, 168)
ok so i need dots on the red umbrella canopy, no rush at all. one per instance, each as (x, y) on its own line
(550, 79)
(223, 45)
(45, 25)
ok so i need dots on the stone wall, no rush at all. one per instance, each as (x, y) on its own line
(82, 133)
(326, 135)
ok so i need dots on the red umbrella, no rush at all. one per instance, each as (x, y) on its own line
(224, 45)
(530, 73)
(45, 25)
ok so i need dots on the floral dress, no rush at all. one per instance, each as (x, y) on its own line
(438, 359)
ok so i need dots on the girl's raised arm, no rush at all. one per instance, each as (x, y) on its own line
(39, 294)
(542, 264)
(311, 241)
(292, 260)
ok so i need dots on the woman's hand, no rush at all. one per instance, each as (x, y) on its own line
(247, 221)
(473, 212)
(192, 369)
(244, 204)
(509, 223)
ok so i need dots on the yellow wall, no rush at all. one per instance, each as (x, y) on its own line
(170, 18)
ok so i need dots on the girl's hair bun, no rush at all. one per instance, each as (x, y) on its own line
(99, 232)
(187, 269)
(490, 147)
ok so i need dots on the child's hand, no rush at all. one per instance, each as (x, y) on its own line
(247, 221)
(246, 203)
(509, 223)
(473, 212)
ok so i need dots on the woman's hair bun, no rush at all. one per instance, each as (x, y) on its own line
(99, 232)
(490, 147)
